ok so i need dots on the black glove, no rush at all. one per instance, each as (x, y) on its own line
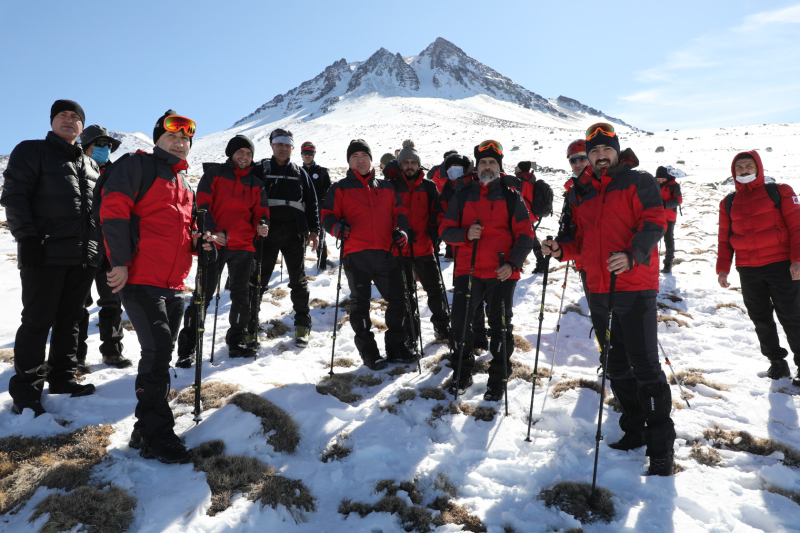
(341, 230)
(400, 238)
(207, 257)
(30, 252)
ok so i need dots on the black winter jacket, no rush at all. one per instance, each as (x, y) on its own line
(320, 179)
(289, 189)
(48, 194)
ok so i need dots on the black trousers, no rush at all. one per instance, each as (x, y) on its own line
(109, 316)
(362, 270)
(284, 239)
(239, 264)
(669, 243)
(53, 299)
(427, 270)
(494, 293)
(767, 288)
(155, 313)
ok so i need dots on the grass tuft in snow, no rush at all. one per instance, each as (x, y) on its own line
(212, 394)
(342, 362)
(742, 441)
(406, 395)
(278, 328)
(377, 324)
(108, 510)
(667, 318)
(7, 356)
(522, 344)
(693, 377)
(316, 303)
(341, 386)
(452, 513)
(60, 462)
(563, 386)
(792, 495)
(432, 393)
(278, 293)
(338, 449)
(286, 434)
(573, 498)
(400, 370)
(290, 493)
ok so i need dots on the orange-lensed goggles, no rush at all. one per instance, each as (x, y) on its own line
(176, 123)
(600, 128)
(486, 145)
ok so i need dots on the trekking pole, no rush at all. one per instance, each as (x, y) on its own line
(558, 324)
(538, 340)
(606, 346)
(444, 287)
(259, 285)
(669, 364)
(466, 311)
(409, 307)
(281, 268)
(338, 288)
(216, 305)
(200, 314)
(417, 321)
(503, 333)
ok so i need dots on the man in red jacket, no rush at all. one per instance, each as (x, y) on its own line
(147, 222)
(236, 212)
(368, 216)
(763, 229)
(671, 198)
(492, 217)
(619, 221)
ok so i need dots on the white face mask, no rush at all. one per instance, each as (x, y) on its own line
(455, 172)
(746, 179)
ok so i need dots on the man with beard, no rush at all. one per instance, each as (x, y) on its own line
(672, 198)
(235, 213)
(578, 161)
(619, 221)
(321, 181)
(487, 215)
(419, 198)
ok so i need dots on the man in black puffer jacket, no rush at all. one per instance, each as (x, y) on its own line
(48, 199)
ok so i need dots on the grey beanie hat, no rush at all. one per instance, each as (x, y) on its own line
(408, 152)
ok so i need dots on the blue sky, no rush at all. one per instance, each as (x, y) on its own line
(655, 65)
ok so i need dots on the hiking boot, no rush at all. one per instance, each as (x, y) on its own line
(375, 362)
(169, 450)
(83, 368)
(667, 269)
(629, 441)
(463, 384)
(662, 466)
(117, 361)
(778, 369)
(34, 405)
(494, 393)
(75, 390)
(540, 266)
(402, 354)
(240, 348)
(135, 441)
(441, 334)
(480, 344)
(301, 335)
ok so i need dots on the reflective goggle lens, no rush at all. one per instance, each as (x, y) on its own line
(602, 127)
(175, 123)
(578, 159)
(103, 144)
(486, 145)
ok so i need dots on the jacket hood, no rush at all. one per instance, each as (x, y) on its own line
(759, 181)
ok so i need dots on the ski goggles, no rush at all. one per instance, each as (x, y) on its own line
(491, 145)
(176, 123)
(102, 144)
(600, 128)
(577, 159)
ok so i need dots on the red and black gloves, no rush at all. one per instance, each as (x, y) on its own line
(400, 238)
(341, 230)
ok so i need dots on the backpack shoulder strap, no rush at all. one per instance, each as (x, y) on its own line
(728, 207)
(772, 190)
(148, 175)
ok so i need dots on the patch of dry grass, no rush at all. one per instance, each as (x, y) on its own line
(278, 328)
(127, 325)
(290, 493)
(432, 393)
(400, 370)
(792, 495)
(341, 386)
(60, 462)
(286, 434)
(377, 324)
(378, 303)
(108, 510)
(672, 297)
(212, 394)
(338, 449)
(573, 498)
(667, 318)
(278, 293)
(522, 344)
(563, 386)
(731, 305)
(412, 517)
(705, 456)
(692, 377)
(316, 303)
(742, 441)
(406, 395)
(574, 308)
(451, 513)
(7, 356)
(341, 362)
(662, 305)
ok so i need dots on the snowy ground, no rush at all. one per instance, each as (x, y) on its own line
(498, 475)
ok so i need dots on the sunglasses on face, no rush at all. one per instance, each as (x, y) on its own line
(176, 123)
(601, 128)
(486, 145)
(103, 144)
(577, 159)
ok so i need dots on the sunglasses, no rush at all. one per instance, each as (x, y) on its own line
(103, 144)
(577, 159)
(602, 127)
(486, 145)
(176, 123)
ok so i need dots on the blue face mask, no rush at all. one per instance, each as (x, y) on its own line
(455, 172)
(101, 155)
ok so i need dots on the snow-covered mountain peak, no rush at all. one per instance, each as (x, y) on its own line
(384, 73)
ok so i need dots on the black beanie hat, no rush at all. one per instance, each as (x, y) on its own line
(455, 159)
(489, 152)
(238, 142)
(358, 145)
(159, 129)
(524, 166)
(66, 105)
(600, 138)
(663, 173)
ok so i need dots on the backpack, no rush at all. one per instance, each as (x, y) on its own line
(772, 191)
(542, 199)
(148, 178)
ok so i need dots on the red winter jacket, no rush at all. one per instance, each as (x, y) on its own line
(234, 201)
(761, 234)
(153, 236)
(439, 180)
(372, 209)
(487, 204)
(671, 198)
(620, 211)
(419, 199)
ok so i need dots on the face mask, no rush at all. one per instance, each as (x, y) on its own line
(455, 172)
(101, 155)
(746, 179)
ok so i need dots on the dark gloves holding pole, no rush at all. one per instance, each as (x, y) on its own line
(400, 238)
(341, 230)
